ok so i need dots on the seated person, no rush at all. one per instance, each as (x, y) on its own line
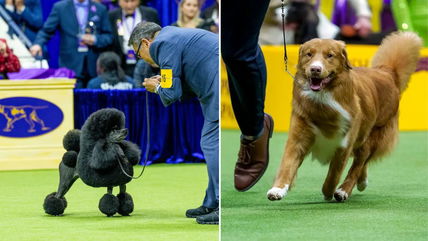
(110, 74)
(8, 61)
(188, 16)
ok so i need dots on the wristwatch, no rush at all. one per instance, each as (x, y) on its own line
(157, 88)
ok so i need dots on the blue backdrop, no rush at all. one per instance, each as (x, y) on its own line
(167, 10)
(175, 131)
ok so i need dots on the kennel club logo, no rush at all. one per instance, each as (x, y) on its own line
(27, 116)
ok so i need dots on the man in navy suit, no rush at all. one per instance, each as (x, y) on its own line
(26, 14)
(188, 59)
(85, 30)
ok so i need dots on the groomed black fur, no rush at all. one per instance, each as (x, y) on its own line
(53, 205)
(101, 150)
(126, 204)
(71, 140)
(94, 154)
(70, 158)
(131, 151)
(109, 204)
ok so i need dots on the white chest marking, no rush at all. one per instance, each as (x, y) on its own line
(324, 148)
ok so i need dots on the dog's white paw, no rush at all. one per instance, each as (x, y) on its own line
(340, 195)
(277, 193)
(362, 185)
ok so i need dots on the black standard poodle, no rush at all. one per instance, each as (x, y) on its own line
(99, 155)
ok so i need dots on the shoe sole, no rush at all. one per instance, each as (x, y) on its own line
(206, 222)
(267, 163)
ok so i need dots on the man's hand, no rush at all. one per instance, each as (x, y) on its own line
(19, 4)
(151, 83)
(36, 50)
(3, 49)
(363, 26)
(88, 39)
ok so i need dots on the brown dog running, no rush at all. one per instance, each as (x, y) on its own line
(339, 111)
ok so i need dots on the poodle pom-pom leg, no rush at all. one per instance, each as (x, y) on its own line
(126, 204)
(54, 205)
(109, 204)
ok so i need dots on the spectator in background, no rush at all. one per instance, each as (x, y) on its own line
(412, 16)
(123, 21)
(110, 74)
(354, 19)
(188, 16)
(27, 14)
(304, 21)
(85, 31)
(212, 12)
(302, 18)
(8, 61)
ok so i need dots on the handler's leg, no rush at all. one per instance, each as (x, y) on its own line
(246, 71)
(210, 148)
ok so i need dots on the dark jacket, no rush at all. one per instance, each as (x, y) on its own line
(63, 18)
(147, 14)
(192, 55)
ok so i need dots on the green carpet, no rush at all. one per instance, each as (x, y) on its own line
(161, 198)
(393, 207)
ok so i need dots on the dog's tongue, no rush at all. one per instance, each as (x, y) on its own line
(316, 84)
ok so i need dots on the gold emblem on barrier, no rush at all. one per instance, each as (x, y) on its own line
(26, 112)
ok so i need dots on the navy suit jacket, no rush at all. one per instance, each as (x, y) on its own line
(30, 20)
(192, 54)
(63, 18)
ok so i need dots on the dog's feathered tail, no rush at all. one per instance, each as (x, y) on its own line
(399, 52)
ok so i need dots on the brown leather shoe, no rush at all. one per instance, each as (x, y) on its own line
(253, 158)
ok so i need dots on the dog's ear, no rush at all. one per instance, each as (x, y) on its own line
(1, 108)
(344, 54)
(300, 55)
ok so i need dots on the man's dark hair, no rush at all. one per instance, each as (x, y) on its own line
(145, 30)
(112, 72)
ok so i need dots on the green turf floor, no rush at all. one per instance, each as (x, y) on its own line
(393, 207)
(161, 198)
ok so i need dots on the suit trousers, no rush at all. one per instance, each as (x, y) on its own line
(210, 148)
(241, 21)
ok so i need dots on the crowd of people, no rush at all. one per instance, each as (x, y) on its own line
(105, 25)
(351, 21)
(94, 39)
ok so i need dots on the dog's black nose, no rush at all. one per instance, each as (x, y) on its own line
(315, 69)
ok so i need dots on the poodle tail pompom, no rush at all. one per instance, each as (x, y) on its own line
(71, 140)
(70, 158)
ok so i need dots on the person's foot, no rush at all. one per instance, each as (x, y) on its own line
(253, 158)
(193, 213)
(210, 218)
